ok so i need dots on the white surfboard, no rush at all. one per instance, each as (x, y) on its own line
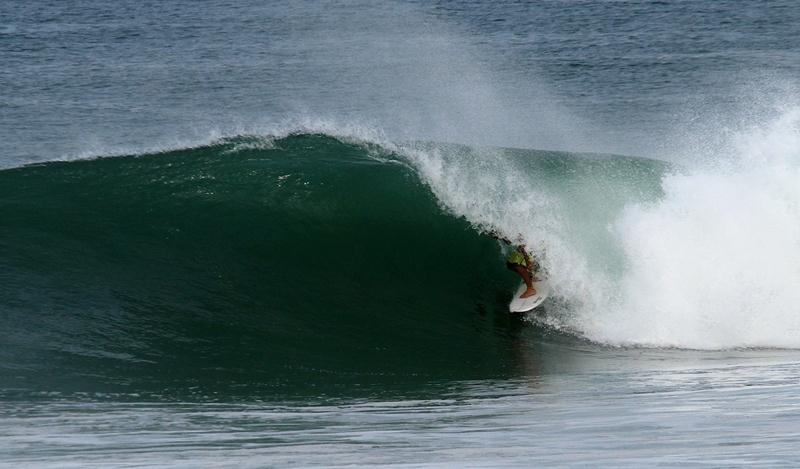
(521, 305)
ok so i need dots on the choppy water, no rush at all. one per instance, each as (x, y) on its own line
(254, 234)
(711, 413)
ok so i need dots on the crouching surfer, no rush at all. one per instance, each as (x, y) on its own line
(520, 262)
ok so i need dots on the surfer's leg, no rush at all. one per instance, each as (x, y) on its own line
(526, 277)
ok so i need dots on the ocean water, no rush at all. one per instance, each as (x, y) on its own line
(254, 234)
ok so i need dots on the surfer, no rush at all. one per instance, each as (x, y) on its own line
(520, 262)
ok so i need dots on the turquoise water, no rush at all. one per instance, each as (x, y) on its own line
(256, 234)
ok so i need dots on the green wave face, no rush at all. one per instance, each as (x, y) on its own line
(294, 267)
(300, 266)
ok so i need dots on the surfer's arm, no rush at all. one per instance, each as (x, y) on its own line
(527, 257)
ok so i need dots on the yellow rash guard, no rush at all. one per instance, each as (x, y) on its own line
(516, 257)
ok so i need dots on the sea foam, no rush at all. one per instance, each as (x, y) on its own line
(716, 262)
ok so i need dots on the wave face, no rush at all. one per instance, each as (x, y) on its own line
(319, 258)
(303, 259)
